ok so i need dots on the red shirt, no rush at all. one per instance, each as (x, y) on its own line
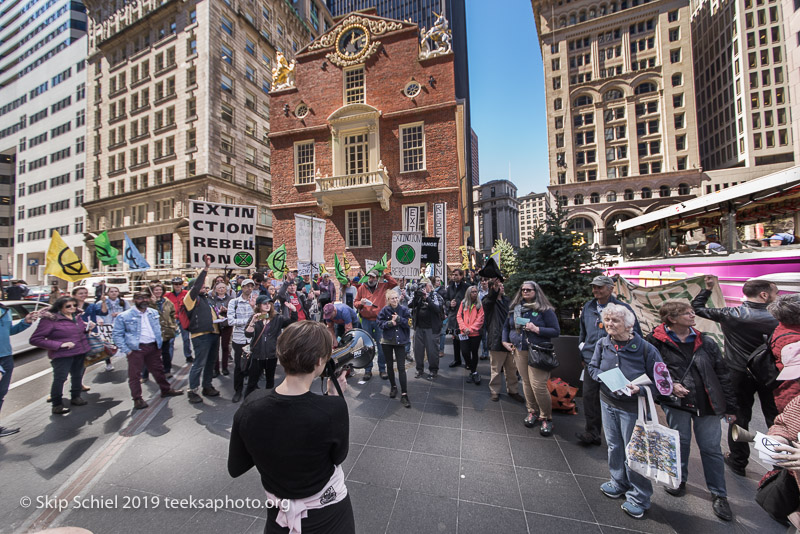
(294, 301)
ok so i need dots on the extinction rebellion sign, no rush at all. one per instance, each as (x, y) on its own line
(226, 232)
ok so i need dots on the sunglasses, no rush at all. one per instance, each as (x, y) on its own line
(527, 289)
(69, 306)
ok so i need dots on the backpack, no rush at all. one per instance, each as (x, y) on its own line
(761, 364)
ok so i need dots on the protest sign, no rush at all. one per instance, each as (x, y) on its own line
(430, 250)
(226, 232)
(369, 264)
(440, 231)
(310, 238)
(406, 253)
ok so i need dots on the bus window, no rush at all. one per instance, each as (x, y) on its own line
(643, 242)
(755, 233)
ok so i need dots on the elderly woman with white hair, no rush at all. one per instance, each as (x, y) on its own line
(626, 350)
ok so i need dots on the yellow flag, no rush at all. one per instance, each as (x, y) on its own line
(62, 263)
(345, 263)
(464, 258)
(322, 269)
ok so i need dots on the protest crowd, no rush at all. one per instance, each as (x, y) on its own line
(245, 326)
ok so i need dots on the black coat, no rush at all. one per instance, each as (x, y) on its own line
(709, 367)
(495, 313)
(263, 342)
(454, 292)
(432, 306)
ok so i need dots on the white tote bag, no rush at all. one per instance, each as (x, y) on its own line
(654, 450)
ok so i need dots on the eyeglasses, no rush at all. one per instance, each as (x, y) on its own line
(69, 306)
(527, 289)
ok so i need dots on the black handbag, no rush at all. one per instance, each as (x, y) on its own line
(542, 356)
(778, 494)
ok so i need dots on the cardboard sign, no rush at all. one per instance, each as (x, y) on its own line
(440, 231)
(226, 232)
(369, 264)
(430, 250)
(406, 254)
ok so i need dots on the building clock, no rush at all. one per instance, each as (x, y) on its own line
(353, 42)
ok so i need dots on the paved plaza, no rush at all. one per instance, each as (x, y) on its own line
(454, 462)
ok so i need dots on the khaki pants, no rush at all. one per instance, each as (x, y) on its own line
(502, 361)
(534, 383)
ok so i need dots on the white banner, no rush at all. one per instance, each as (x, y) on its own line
(305, 268)
(226, 232)
(302, 233)
(412, 219)
(440, 231)
(406, 253)
(318, 241)
(369, 264)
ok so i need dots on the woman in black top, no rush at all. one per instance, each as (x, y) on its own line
(302, 460)
(263, 331)
(394, 320)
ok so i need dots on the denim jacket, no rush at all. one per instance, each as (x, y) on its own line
(128, 326)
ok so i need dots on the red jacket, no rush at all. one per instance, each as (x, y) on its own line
(377, 297)
(176, 300)
(787, 389)
(471, 319)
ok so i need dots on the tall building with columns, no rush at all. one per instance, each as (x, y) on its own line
(621, 118)
(178, 109)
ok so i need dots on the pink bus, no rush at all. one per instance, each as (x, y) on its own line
(739, 233)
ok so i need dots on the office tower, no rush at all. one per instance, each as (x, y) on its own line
(532, 213)
(497, 210)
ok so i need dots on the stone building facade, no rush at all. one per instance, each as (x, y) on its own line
(497, 211)
(532, 213)
(178, 110)
(367, 127)
(621, 119)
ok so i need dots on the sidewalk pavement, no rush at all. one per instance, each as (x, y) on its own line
(455, 462)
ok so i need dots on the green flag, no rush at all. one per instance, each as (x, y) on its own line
(380, 266)
(340, 274)
(105, 252)
(277, 262)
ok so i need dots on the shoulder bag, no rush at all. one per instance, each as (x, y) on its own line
(778, 494)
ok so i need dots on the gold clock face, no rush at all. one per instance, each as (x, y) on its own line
(352, 42)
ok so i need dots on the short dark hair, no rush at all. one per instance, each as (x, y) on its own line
(258, 277)
(301, 345)
(753, 288)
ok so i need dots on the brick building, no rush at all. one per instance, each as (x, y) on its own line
(367, 126)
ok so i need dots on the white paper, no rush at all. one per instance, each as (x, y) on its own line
(615, 380)
(643, 380)
(581, 345)
(583, 373)
(220, 320)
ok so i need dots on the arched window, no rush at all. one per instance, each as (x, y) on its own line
(677, 79)
(628, 194)
(613, 7)
(603, 10)
(592, 13)
(584, 227)
(557, 103)
(562, 22)
(594, 198)
(611, 196)
(611, 236)
(612, 94)
(578, 199)
(684, 189)
(663, 191)
(582, 17)
(572, 19)
(583, 100)
(562, 200)
(647, 192)
(644, 88)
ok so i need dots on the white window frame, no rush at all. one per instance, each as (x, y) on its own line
(360, 213)
(424, 217)
(345, 72)
(424, 155)
(297, 146)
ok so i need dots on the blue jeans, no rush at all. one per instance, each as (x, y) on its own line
(7, 363)
(707, 434)
(206, 348)
(618, 425)
(443, 335)
(62, 367)
(187, 345)
(375, 331)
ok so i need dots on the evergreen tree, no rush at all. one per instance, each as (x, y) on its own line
(508, 257)
(560, 262)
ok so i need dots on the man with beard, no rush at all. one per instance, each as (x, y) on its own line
(137, 333)
(205, 335)
(455, 294)
(371, 299)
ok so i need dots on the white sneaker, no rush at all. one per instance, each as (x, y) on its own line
(109, 367)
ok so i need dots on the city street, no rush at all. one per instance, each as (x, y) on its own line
(454, 462)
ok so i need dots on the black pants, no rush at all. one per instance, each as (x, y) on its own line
(238, 374)
(266, 366)
(469, 350)
(746, 388)
(591, 406)
(396, 353)
(71, 366)
(332, 519)
(456, 346)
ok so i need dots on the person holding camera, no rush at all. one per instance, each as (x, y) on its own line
(301, 462)
(702, 393)
(532, 320)
(453, 297)
(426, 314)
(263, 330)
(394, 320)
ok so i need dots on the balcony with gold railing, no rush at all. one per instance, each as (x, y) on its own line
(350, 189)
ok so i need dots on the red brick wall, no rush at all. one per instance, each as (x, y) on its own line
(387, 73)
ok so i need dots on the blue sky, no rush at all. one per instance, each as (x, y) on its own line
(507, 93)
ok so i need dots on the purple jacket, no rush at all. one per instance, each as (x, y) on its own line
(57, 329)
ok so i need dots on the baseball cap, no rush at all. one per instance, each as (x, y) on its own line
(248, 281)
(177, 280)
(602, 281)
(329, 311)
(262, 299)
(372, 273)
(790, 357)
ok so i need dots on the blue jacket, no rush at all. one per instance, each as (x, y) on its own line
(344, 315)
(128, 326)
(546, 321)
(636, 358)
(592, 327)
(399, 334)
(7, 329)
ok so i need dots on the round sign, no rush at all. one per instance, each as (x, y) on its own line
(405, 254)
(243, 259)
